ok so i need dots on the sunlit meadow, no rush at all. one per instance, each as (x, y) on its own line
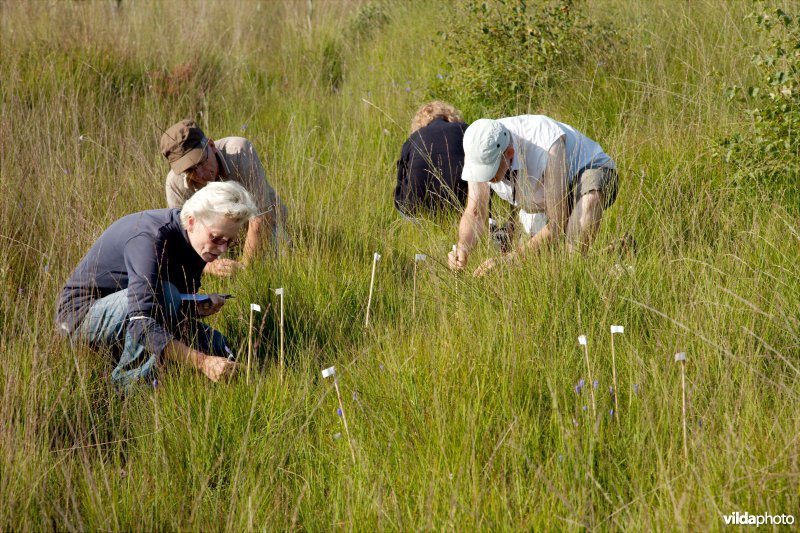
(475, 413)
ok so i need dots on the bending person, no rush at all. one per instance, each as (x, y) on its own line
(431, 160)
(543, 166)
(195, 161)
(125, 294)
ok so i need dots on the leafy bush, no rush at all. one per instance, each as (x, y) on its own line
(770, 154)
(501, 50)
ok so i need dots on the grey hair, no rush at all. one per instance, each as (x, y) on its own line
(219, 199)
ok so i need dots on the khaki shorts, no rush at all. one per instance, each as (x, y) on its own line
(604, 180)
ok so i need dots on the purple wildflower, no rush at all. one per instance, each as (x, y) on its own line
(595, 383)
(439, 77)
(611, 390)
(339, 411)
(611, 413)
(584, 407)
(381, 366)
(244, 127)
(408, 89)
(47, 269)
(636, 388)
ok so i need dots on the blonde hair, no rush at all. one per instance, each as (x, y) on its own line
(219, 199)
(433, 110)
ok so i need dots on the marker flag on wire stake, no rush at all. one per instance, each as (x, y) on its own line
(420, 257)
(255, 307)
(328, 372)
(279, 291)
(680, 356)
(582, 340)
(617, 329)
(377, 256)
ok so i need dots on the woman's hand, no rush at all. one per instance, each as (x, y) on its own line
(210, 306)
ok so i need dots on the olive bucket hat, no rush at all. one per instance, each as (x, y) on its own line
(183, 145)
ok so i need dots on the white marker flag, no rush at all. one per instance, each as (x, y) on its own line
(582, 340)
(328, 372)
(255, 307)
(377, 256)
(680, 356)
(420, 257)
(279, 291)
(617, 329)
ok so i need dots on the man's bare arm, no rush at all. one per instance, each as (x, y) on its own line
(556, 206)
(472, 223)
(258, 230)
(555, 189)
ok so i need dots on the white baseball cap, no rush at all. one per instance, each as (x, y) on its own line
(484, 143)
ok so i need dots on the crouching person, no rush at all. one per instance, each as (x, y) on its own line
(125, 294)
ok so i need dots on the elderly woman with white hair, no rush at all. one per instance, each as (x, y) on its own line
(126, 294)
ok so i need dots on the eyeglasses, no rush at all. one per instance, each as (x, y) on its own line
(218, 240)
(203, 158)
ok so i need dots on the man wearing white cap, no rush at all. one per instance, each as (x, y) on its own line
(542, 166)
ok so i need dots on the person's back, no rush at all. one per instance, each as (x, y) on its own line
(430, 163)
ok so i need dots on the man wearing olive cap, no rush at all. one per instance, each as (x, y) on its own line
(195, 160)
(542, 166)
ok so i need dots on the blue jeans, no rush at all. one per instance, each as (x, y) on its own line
(105, 326)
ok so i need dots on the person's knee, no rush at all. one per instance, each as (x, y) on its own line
(590, 207)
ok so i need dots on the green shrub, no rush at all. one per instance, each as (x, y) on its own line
(769, 154)
(500, 51)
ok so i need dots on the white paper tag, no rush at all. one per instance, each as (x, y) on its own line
(255, 307)
(420, 257)
(279, 291)
(328, 372)
(680, 356)
(582, 340)
(617, 329)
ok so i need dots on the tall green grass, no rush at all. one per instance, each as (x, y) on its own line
(463, 417)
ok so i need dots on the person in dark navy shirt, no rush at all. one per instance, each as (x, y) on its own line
(127, 292)
(429, 168)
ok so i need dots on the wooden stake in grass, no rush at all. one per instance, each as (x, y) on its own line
(326, 373)
(615, 329)
(681, 357)
(279, 292)
(582, 342)
(417, 259)
(254, 308)
(375, 258)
